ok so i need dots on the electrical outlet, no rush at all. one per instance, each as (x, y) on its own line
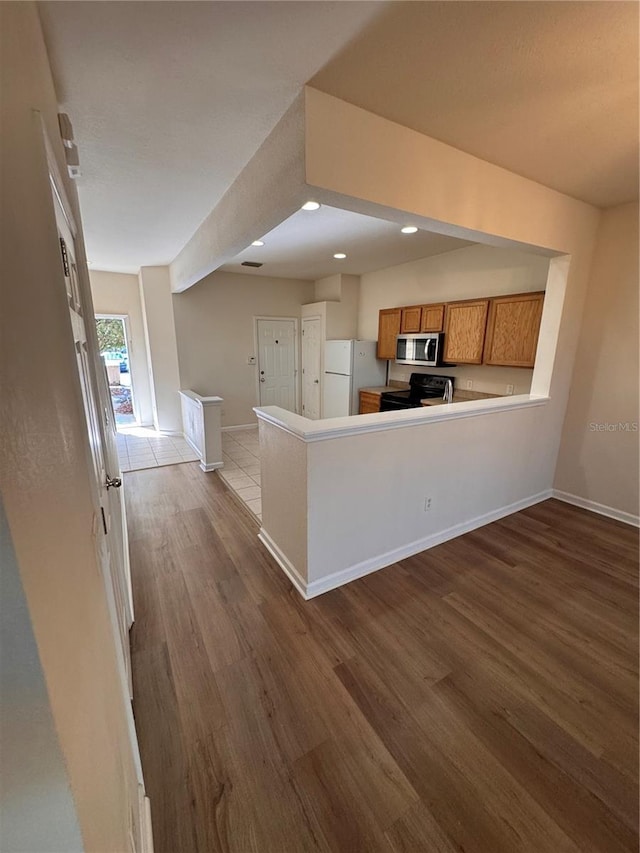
(509, 390)
(427, 504)
(469, 384)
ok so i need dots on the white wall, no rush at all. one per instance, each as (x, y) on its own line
(48, 489)
(329, 288)
(118, 293)
(215, 334)
(162, 354)
(601, 465)
(341, 293)
(37, 811)
(462, 274)
(337, 299)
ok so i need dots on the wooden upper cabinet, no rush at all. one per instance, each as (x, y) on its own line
(388, 331)
(512, 330)
(432, 318)
(464, 329)
(410, 321)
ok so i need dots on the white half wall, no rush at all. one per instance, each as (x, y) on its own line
(347, 496)
(367, 493)
(162, 352)
(117, 293)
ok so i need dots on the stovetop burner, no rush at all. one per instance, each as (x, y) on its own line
(421, 387)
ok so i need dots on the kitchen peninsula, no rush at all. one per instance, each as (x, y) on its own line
(324, 535)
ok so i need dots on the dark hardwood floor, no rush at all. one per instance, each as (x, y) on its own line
(481, 696)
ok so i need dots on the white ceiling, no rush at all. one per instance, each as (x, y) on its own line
(170, 100)
(303, 245)
(548, 90)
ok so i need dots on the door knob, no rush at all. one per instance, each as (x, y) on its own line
(113, 482)
(262, 379)
(316, 381)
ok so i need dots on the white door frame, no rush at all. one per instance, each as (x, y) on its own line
(296, 354)
(127, 334)
(143, 842)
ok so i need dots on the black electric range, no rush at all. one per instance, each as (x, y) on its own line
(421, 387)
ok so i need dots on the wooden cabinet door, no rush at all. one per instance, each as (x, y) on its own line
(432, 318)
(369, 402)
(465, 324)
(411, 319)
(512, 330)
(388, 331)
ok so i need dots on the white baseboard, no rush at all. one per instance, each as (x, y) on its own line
(594, 506)
(147, 831)
(373, 564)
(284, 563)
(212, 466)
(238, 427)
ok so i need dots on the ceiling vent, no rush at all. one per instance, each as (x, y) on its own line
(251, 264)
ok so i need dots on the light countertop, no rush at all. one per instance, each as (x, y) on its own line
(382, 389)
(459, 397)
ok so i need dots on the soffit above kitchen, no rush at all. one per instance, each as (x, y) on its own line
(303, 246)
(548, 90)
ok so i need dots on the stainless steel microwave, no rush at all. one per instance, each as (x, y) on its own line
(423, 349)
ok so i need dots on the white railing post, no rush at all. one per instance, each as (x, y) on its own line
(202, 421)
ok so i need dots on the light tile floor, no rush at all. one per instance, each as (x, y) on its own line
(142, 447)
(241, 472)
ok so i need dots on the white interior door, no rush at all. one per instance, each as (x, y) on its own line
(112, 536)
(110, 527)
(311, 367)
(277, 375)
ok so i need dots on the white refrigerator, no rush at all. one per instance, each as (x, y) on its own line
(348, 367)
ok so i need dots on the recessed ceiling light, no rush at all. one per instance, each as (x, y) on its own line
(258, 243)
(339, 256)
(409, 229)
(311, 205)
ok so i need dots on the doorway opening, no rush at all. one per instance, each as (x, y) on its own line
(113, 342)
